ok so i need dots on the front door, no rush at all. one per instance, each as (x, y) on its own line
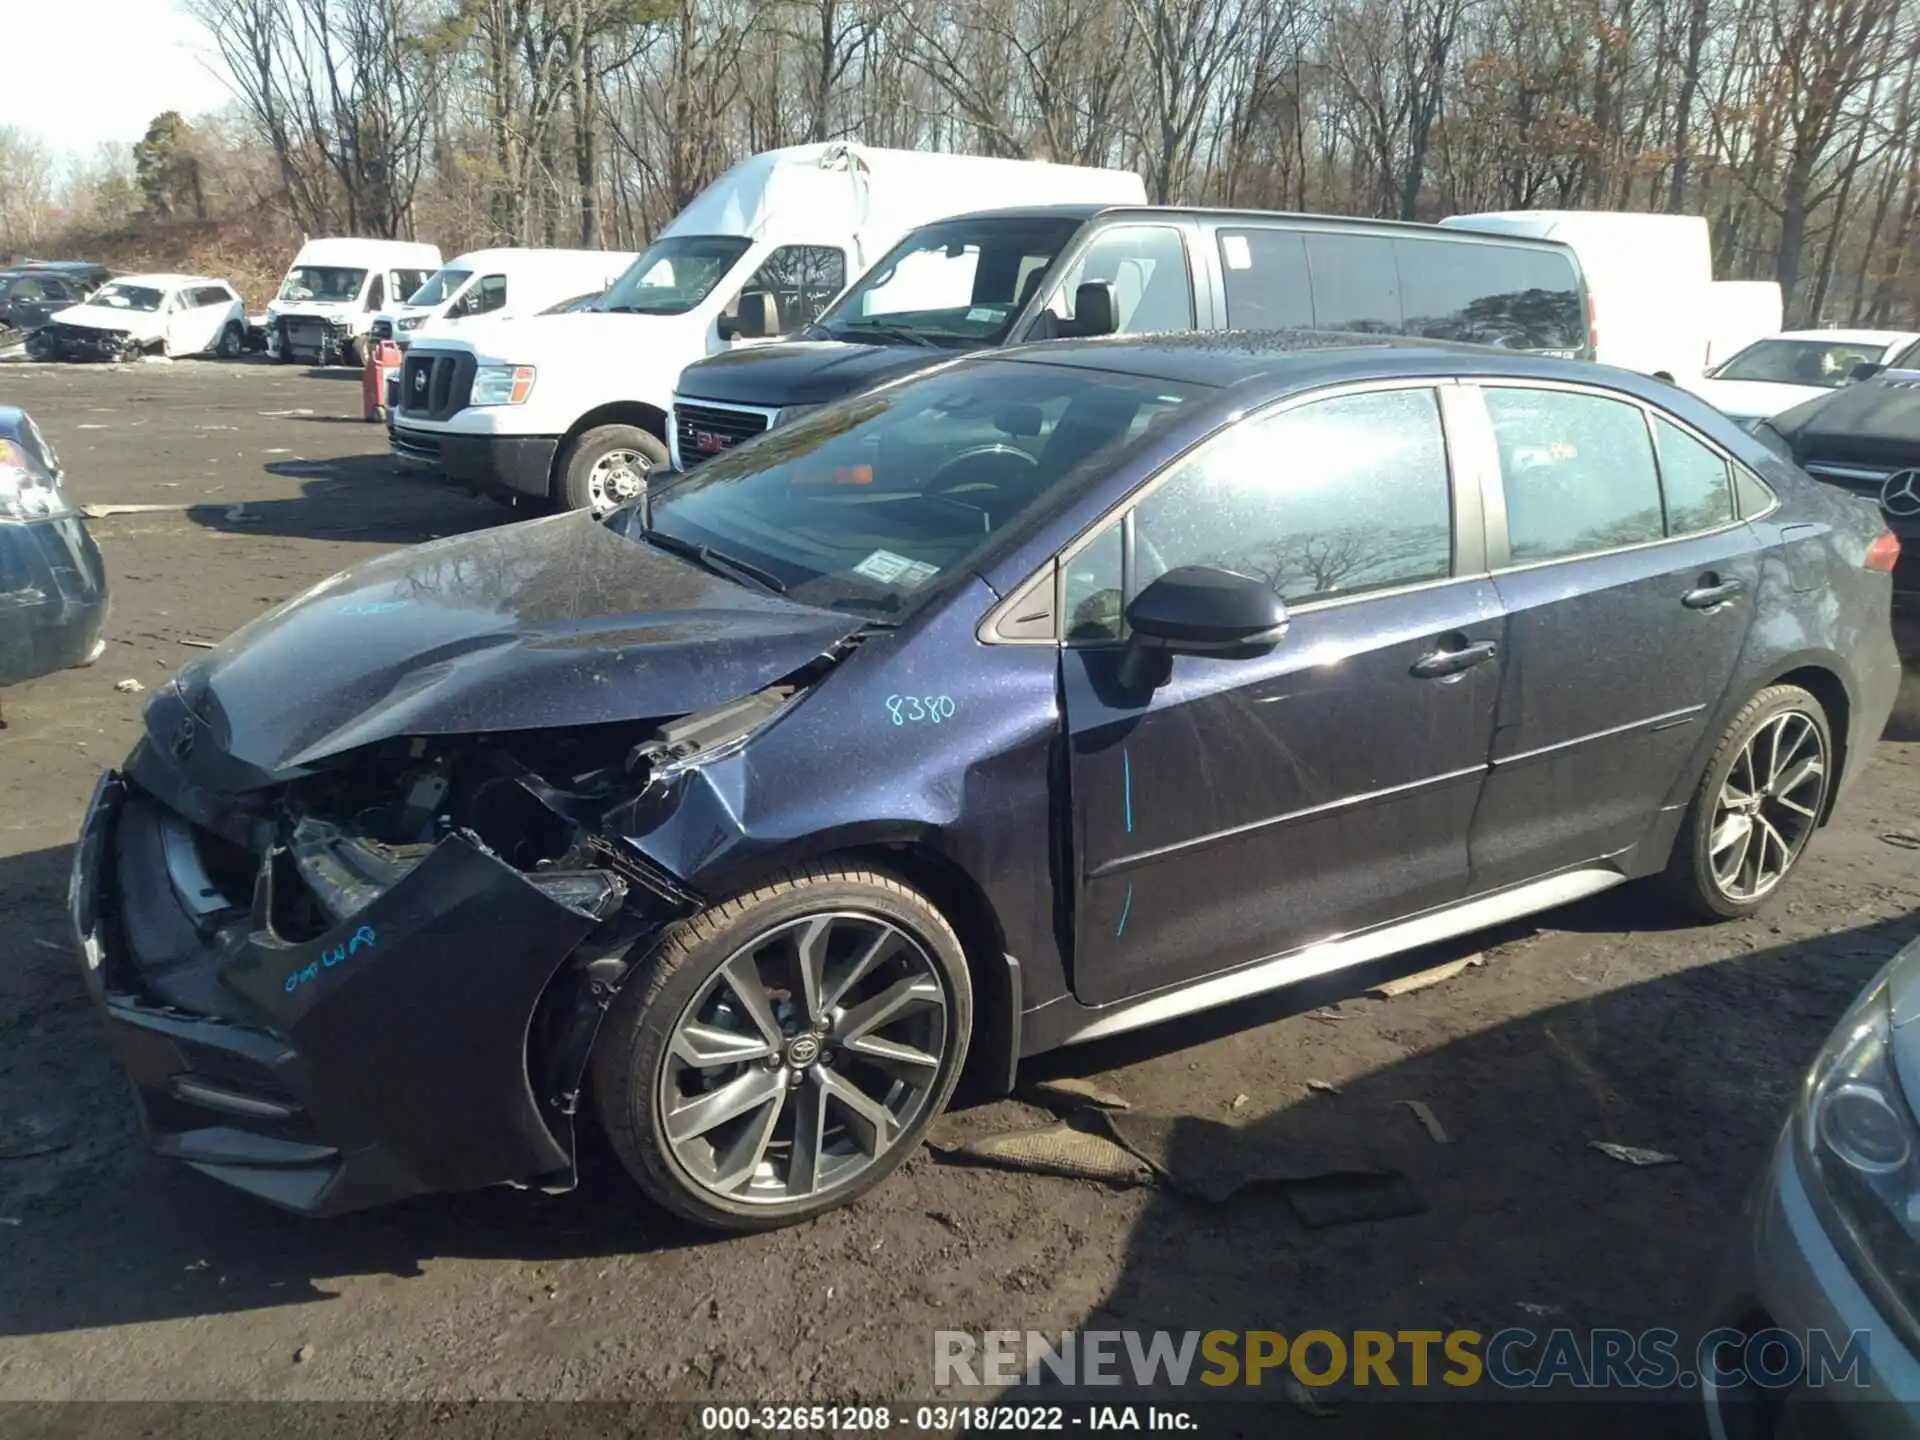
(1249, 807)
(1629, 593)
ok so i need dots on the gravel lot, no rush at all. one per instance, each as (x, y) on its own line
(123, 1278)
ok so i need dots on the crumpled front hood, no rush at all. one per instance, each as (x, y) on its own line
(549, 623)
(804, 372)
(110, 317)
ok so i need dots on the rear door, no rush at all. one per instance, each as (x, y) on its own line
(1251, 807)
(1629, 589)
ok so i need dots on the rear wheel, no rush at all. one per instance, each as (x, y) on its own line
(607, 466)
(1756, 807)
(784, 1052)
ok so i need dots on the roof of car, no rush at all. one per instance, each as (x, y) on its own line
(1225, 358)
(1850, 337)
(161, 282)
(1087, 211)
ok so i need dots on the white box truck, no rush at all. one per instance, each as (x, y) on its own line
(334, 288)
(1653, 303)
(573, 407)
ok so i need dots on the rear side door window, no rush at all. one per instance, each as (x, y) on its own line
(1336, 497)
(1481, 293)
(1695, 480)
(802, 279)
(1264, 274)
(1577, 470)
(1356, 283)
(1147, 267)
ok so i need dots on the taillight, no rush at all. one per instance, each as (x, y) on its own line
(1883, 554)
(1593, 323)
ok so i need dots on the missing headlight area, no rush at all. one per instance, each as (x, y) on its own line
(552, 804)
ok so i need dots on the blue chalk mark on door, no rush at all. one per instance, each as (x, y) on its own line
(1126, 909)
(1126, 782)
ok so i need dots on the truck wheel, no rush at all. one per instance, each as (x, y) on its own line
(278, 350)
(232, 341)
(783, 1052)
(606, 467)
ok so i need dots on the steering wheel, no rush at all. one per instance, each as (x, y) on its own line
(985, 467)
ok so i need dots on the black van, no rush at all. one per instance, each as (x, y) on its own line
(1004, 277)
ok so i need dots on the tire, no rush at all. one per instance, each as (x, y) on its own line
(350, 355)
(746, 1172)
(232, 341)
(1693, 877)
(579, 489)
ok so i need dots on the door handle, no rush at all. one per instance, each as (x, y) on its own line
(1705, 597)
(1438, 663)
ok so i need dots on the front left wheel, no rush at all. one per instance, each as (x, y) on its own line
(606, 467)
(782, 1053)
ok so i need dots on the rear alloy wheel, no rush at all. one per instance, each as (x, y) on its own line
(1758, 804)
(607, 467)
(784, 1052)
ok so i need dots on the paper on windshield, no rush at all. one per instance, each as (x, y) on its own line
(891, 569)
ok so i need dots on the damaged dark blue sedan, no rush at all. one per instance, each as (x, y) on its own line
(1044, 695)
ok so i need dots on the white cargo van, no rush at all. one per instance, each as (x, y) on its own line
(1740, 312)
(502, 283)
(333, 290)
(574, 406)
(1649, 281)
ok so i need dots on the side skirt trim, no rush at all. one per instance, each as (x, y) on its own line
(1346, 951)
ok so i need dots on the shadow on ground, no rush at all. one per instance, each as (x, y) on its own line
(357, 497)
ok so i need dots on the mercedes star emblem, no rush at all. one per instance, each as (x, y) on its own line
(1900, 495)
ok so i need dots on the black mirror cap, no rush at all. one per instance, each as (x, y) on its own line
(1865, 370)
(1198, 610)
(1094, 310)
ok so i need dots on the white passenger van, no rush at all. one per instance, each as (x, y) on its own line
(1651, 294)
(333, 290)
(503, 283)
(573, 407)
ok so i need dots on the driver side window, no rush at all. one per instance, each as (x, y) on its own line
(1333, 498)
(1147, 267)
(802, 279)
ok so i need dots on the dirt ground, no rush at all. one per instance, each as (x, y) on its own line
(122, 1277)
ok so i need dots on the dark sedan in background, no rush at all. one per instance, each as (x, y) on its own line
(1055, 692)
(53, 587)
(1865, 439)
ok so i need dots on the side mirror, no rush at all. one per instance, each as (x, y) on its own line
(1094, 311)
(1198, 610)
(1865, 370)
(759, 318)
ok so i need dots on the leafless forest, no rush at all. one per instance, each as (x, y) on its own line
(1791, 124)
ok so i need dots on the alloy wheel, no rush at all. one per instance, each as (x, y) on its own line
(802, 1060)
(617, 477)
(1768, 806)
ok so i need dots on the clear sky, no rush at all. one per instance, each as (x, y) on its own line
(80, 72)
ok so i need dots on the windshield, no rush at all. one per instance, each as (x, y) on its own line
(960, 282)
(128, 297)
(674, 275)
(322, 282)
(873, 503)
(441, 288)
(1826, 363)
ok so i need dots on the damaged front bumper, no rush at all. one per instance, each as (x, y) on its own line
(431, 1036)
